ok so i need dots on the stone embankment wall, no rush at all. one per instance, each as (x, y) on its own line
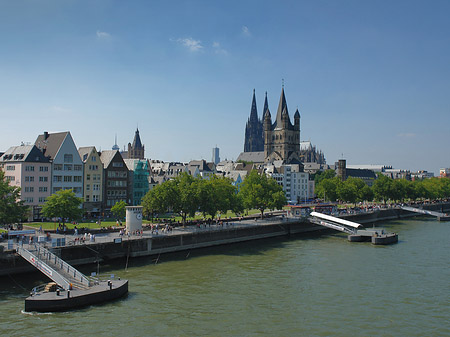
(11, 263)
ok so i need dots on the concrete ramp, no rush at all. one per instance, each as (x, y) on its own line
(439, 215)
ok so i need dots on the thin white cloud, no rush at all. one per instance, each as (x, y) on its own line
(218, 48)
(103, 35)
(191, 44)
(407, 135)
(246, 32)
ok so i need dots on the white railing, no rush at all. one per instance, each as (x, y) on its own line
(61, 265)
(43, 267)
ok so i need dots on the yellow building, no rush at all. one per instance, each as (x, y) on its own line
(92, 180)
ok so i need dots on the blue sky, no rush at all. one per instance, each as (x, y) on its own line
(371, 78)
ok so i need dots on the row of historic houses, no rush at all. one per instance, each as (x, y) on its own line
(54, 163)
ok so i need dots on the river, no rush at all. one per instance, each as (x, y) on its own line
(315, 286)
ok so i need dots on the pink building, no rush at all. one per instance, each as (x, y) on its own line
(26, 167)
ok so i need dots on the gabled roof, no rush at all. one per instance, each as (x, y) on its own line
(107, 156)
(50, 143)
(24, 153)
(85, 151)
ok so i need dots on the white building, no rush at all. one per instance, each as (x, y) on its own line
(67, 167)
(296, 184)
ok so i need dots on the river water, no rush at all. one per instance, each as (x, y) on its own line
(315, 286)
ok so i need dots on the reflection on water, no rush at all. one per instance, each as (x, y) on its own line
(300, 286)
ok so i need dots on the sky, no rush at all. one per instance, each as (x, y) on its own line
(371, 79)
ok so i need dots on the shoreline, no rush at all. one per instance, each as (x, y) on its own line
(191, 238)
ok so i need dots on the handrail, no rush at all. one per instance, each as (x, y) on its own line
(62, 265)
(43, 267)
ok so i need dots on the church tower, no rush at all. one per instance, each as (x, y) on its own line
(136, 150)
(282, 138)
(254, 139)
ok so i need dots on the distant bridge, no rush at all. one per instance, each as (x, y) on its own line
(332, 222)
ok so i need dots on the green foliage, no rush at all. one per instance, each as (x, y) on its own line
(11, 207)
(354, 190)
(327, 189)
(186, 195)
(261, 192)
(119, 210)
(321, 175)
(63, 204)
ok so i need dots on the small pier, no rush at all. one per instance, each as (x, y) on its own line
(440, 216)
(71, 289)
(357, 233)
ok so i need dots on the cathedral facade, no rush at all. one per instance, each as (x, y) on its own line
(282, 138)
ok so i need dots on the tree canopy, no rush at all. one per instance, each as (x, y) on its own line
(11, 207)
(119, 209)
(186, 195)
(63, 204)
(384, 188)
(261, 192)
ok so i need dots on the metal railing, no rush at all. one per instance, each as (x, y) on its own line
(61, 265)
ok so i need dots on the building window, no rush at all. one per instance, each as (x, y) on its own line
(10, 167)
(77, 179)
(29, 189)
(56, 189)
(29, 179)
(77, 167)
(43, 189)
(117, 164)
(41, 199)
(67, 179)
(57, 179)
(96, 187)
(29, 199)
(88, 187)
(77, 190)
(10, 178)
(43, 179)
(43, 168)
(68, 158)
(88, 177)
(58, 167)
(29, 168)
(95, 198)
(87, 198)
(93, 158)
(67, 167)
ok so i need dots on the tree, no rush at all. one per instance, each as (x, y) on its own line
(327, 189)
(63, 204)
(11, 207)
(261, 192)
(119, 209)
(217, 195)
(382, 188)
(322, 175)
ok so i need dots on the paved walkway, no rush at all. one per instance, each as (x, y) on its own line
(70, 239)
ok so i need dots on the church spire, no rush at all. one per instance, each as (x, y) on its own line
(254, 111)
(282, 108)
(266, 106)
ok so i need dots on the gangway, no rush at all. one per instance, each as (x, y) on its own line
(440, 216)
(54, 267)
(342, 225)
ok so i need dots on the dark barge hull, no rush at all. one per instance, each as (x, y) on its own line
(51, 301)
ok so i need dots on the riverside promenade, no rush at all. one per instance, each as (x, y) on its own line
(111, 245)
